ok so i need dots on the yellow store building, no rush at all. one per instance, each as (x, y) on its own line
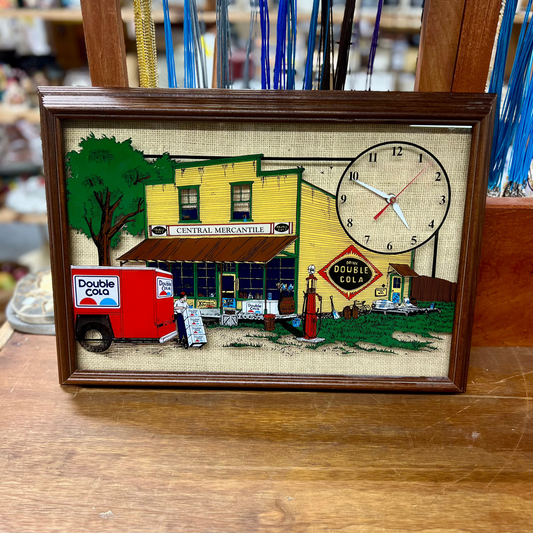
(234, 235)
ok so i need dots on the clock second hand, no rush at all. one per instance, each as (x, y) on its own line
(390, 200)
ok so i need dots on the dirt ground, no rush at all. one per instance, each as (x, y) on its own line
(261, 355)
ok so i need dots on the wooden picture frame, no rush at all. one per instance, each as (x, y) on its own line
(64, 108)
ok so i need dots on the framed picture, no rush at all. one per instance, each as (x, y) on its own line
(321, 240)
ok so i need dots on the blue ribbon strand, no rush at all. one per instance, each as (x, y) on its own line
(169, 48)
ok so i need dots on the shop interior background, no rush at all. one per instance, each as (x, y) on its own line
(42, 43)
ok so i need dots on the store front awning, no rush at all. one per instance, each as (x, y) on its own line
(403, 270)
(210, 249)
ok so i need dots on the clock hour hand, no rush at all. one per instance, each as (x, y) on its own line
(374, 190)
(398, 211)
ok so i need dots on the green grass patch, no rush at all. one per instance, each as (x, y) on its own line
(376, 329)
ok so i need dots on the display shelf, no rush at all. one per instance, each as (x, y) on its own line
(16, 169)
(8, 216)
(393, 21)
(9, 114)
(53, 15)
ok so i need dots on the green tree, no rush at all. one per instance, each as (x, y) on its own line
(105, 190)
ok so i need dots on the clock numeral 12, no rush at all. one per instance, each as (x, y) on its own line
(372, 157)
(354, 175)
(397, 151)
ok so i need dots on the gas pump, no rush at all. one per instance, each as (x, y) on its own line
(309, 311)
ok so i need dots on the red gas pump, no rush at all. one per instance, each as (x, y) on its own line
(309, 311)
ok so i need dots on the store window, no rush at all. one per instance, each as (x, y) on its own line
(189, 204)
(207, 284)
(241, 202)
(159, 265)
(280, 272)
(183, 274)
(251, 281)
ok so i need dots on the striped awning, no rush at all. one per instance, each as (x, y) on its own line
(210, 249)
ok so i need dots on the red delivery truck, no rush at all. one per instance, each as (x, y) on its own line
(122, 304)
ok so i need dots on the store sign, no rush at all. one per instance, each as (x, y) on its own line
(97, 291)
(381, 292)
(206, 304)
(229, 302)
(158, 231)
(254, 306)
(164, 287)
(350, 272)
(220, 230)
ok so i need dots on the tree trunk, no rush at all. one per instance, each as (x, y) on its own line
(102, 240)
(103, 246)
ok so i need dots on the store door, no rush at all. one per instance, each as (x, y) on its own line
(228, 289)
(396, 289)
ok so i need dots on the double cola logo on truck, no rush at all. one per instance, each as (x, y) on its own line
(97, 291)
(164, 287)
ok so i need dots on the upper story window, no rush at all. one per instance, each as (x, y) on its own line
(189, 204)
(241, 201)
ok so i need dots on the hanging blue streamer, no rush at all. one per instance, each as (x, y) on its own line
(292, 25)
(285, 59)
(311, 44)
(522, 153)
(188, 48)
(499, 154)
(169, 47)
(279, 62)
(373, 47)
(265, 44)
(510, 111)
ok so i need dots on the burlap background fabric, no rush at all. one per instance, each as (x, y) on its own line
(450, 145)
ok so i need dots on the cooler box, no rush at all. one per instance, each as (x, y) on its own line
(197, 341)
(196, 330)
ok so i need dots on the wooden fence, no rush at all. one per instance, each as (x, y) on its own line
(427, 289)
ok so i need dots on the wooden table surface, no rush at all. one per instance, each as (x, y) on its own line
(87, 459)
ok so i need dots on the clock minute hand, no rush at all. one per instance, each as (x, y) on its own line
(374, 190)
(399, 212)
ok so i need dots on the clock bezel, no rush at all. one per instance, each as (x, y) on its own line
(395, 252)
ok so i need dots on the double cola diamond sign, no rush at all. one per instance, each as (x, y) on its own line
(350, 272)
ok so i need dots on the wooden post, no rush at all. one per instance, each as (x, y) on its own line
(104, 39)
(221, 279)
(265, 310)
(439, 41)
(456, 45)
(480, 21)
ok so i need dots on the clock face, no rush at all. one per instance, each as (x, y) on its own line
(393, 197)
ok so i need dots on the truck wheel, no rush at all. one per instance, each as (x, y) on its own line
(95, 337)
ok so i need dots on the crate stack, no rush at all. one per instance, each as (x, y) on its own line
(194, 325)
